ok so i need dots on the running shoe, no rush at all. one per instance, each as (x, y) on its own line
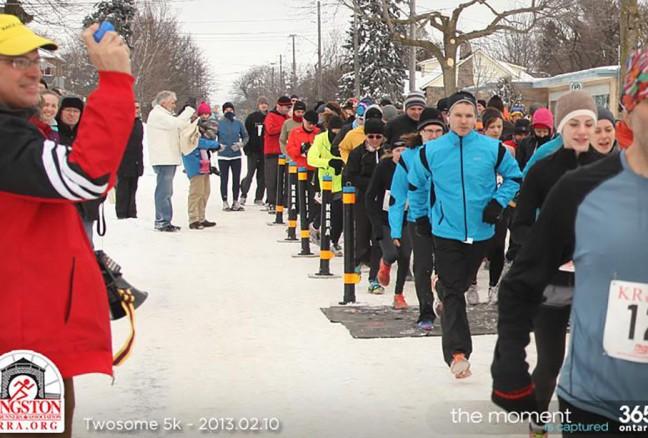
(383, 273)
(208, 224)
(242, 200)
(236, 206)
(472, 296)
(425, 325)
(314, 234)
(399, 302)
(226, 206)
(375, 288)
(196, 226)
(460, 366)
(337, 250)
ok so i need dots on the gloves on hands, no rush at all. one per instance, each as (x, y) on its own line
(336, 164)
(492, 212)
(423, 227)
(305, 147)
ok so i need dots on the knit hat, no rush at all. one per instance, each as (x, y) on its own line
(299, 105)
(310, 116)
(517, 108)
(635, 86)
(543, 118)
(461, 97)
(522, 126)
(71, 102)
(334, 122)
(228, 105)
(334, 106)
(374, 126)
(496, 102)
(574, 104)
(284, 100)
(203, 108)
(605, 114)
(373, 112)
(389, 112)
(442, 104)
(361, 108)
(415, 98)
(262, 100)
(431, 116)
(489, 115)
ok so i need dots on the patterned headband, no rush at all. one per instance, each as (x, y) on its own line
(635, 87)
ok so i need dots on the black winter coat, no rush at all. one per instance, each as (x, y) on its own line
(132, 164)
(254, 127)
(535, 189)
(381, 181)
(360, 167)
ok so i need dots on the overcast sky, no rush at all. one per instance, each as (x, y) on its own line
(238, 34)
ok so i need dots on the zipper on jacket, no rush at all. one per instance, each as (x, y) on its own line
(463, 188)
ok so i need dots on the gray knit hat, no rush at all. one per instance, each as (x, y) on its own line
(574, 104)
(606, 114)
(390, 112)
(262, 100)
(415, 98)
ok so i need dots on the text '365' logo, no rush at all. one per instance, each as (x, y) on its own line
(31, 394)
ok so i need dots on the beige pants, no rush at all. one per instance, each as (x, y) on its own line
(198, 196)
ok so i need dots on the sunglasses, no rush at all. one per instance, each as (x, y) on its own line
(375, 136)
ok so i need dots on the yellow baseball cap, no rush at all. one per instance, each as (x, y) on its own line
(17, 39)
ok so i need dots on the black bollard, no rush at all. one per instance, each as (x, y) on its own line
(302, 187)
(292, 205)
(351, 278)
(325, 232)
(279, 208)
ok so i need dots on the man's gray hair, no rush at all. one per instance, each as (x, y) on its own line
(162, 96)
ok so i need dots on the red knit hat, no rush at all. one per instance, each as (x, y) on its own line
(203, 108)
(544, 118)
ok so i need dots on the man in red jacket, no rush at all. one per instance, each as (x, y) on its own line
(271, 149)
(300, 140)
(54, 300)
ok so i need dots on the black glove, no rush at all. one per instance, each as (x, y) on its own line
(492, 212)
(423, 227)
(336, 164)
(305, 147)
(214, 171)
(335, 151)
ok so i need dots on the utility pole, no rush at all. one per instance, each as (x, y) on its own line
(294, 65)
(319, 51)
(412, 67)
(281, 77)
(629, 37)
(272, 64)
(356, 62)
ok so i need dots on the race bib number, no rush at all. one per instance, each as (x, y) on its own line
(386, 200)
(626, 323)
(259, 127)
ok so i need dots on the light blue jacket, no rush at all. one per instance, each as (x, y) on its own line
(230, 132)
(191, 161)
(399, 193)
(543, 151)
(464, 172)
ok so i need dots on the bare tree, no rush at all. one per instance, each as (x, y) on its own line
(447, 49)
(514, 47)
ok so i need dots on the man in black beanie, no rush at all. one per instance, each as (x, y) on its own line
(406, 124)
(359, 168)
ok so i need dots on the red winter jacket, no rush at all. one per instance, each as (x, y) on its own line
(295, 139)
(271, 132)
(53, 297)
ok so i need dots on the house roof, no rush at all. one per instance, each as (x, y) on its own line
(575, 76)
(515, 71)
(49, 55)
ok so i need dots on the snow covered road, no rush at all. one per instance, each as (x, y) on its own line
(233, 328)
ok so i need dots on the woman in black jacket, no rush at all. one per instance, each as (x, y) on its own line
(377, 201)
(358, 171)
(550, 323)
(130, 169)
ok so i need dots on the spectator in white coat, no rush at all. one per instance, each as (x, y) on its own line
(163, 135)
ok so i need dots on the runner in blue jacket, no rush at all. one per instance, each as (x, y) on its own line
(463, 166)
(431, 126)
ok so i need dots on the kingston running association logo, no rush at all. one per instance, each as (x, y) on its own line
(31, 394)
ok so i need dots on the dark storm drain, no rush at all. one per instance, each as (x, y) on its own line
(366, 322)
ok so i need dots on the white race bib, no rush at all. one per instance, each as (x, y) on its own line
(626, 324)
(386, 200)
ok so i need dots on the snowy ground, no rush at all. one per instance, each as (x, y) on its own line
(233, 328)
